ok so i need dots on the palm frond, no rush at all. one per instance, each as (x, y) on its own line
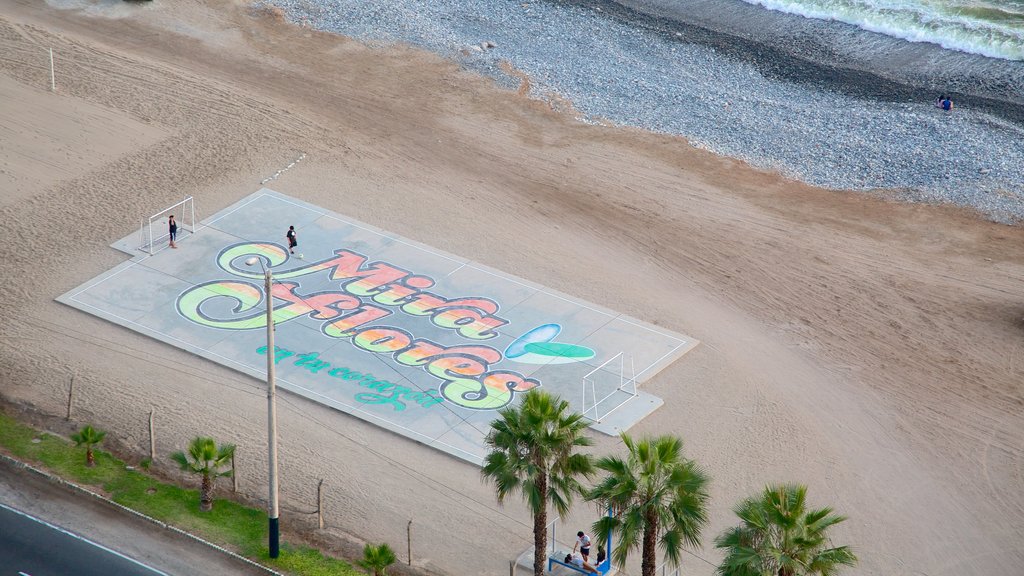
(533, 451)
(780, 535)
(656, 491)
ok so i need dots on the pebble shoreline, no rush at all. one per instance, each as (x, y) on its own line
(635, 76)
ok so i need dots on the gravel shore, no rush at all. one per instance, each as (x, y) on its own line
(828, 136)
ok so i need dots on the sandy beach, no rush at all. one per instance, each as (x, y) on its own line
(869, 349)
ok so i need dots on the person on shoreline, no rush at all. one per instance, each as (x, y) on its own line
(939, 100)
(293, 239)
(947, 104)
(172, 229)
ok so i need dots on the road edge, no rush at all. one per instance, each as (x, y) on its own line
(7, 460)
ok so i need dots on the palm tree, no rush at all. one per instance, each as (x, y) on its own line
(533, 451)
(376, 559)
(780, 537)
(88, 436)
(205, 458)
(656, 496)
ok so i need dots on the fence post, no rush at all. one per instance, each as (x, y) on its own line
(152, 440)
(234, 474)
(320, 504)
(408, 541)
(71, 393)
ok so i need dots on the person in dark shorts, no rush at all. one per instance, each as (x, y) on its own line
(172, 229)
(293, 239)
(583, 541)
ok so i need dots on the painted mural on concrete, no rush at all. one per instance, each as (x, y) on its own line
(423, 343)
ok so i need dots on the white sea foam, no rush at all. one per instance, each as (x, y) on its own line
(995, 30)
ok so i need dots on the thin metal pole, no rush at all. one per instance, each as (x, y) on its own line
(272, 419)
(585, 396)
(53, 79)
(408, 541)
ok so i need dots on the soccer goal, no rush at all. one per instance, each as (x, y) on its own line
(154, 235)
(608, 386)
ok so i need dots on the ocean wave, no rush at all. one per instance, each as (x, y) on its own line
(987, 29)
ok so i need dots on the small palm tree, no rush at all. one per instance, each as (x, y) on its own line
(90, 437)
(205, 458)
(533, 451)
(780, 537)
(657, 497)
(376, 559)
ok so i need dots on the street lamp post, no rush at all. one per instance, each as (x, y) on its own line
(272, 511)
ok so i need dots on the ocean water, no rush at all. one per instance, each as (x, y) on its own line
(821, 101)
(974, 47)
(993, 28)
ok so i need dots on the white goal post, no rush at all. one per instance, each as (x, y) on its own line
(154, 234)
(607, 380)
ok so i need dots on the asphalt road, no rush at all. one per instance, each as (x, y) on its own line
(107, 540)
(34, 547)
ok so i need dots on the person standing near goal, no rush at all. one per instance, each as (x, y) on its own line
(293, 239)
(172, 229)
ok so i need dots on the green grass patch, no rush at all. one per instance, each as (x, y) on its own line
(229, 523)
(309, 561)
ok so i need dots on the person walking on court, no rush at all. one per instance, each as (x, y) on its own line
(583, 541)
(172, 229)
(293, 239)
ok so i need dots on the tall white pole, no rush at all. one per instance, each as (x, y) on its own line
(272, 420)
(53, 80)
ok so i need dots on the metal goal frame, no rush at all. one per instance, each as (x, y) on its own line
(151, 242)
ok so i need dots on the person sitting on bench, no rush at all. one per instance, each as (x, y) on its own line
(575, 560)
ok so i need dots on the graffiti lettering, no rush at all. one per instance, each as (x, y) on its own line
(366, 289)
(379, 282)
(384, 392)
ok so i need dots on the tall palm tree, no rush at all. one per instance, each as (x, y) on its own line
(88, 436)
(376, 559)
(780, 537)
(657, 497)
(533, 451)
(206, 459)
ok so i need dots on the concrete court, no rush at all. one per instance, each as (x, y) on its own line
(415, 340)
